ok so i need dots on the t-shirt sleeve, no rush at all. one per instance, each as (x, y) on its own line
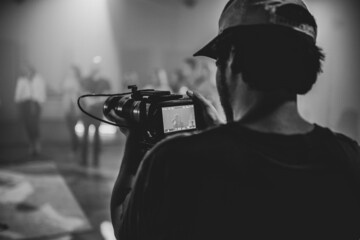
(161, 199)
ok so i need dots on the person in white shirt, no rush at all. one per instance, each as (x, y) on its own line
(30, 94)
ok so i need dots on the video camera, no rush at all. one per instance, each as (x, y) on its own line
(157, 113)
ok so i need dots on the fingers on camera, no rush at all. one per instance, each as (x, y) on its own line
(197, 96)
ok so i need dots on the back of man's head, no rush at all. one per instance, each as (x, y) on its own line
(274, 44)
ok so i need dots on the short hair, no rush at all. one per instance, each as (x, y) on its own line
(274, 58)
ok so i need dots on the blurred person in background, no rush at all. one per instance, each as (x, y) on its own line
(200, 76)
(158, 80)
(177, 82)
(191, 70)
(93, 83)
(205, 84)
(130, 78)
(30, 94)
(265, 174)
(71, 90)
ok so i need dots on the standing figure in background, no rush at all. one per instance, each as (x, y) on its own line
(200, 76)
(30, 94)
(205, 84)
(177, 82)
(71, 91)
(130, 78)
(159, 81)
(93, 84)
(191, 70)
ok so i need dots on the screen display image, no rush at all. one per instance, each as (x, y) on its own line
(178, 118)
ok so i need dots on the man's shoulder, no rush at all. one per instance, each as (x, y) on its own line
(192, 146)
(345, 139)
(188, 154)
(350, 146)
(341, 144)
(340, 137)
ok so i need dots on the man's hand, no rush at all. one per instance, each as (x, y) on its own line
(125, 126)
(111, 115)
(209, 113)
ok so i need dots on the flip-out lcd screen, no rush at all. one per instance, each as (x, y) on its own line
(178, 118)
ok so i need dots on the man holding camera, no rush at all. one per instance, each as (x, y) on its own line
(265, 174)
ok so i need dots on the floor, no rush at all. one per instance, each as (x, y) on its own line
(91, 187)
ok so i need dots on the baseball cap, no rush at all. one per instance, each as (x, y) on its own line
(240, 13)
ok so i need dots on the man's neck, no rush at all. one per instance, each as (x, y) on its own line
(276, 117)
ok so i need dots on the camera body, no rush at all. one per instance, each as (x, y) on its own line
(156, 113)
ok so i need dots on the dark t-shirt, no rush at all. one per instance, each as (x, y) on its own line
(235, 183)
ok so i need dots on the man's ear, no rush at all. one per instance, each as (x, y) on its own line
(231, 59)
(233, 68)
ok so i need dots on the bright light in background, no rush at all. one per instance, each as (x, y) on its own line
(79, 129)
(107, 132)
(106, 129)
(97, 59)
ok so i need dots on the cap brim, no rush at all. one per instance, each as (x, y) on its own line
(209, 50)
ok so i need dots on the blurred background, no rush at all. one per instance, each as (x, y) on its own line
(52, 185)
